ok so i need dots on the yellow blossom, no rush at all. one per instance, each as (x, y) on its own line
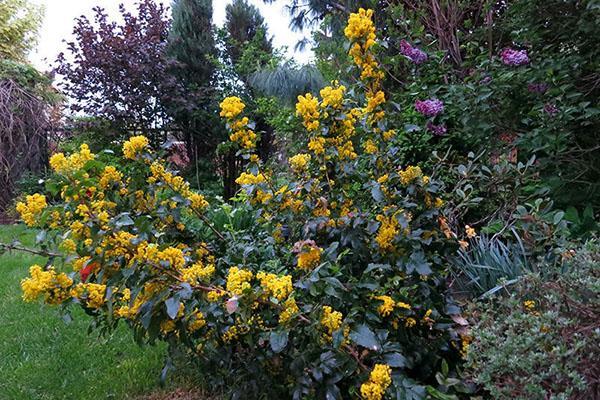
(290, 308)
(231, 107)
(331, 320)
(387, 232)
(408, 175)
(250, 179)
(387, 305)
(332, 95)
(370, 146)
(238, 280)
(307, 108)
(309, 259)
(276, 286)
(134, 146)
(379, 380)
(32, 208)
(470, 232)
(109, 177)
(299, 162)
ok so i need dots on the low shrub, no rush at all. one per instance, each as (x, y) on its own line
(541, 342)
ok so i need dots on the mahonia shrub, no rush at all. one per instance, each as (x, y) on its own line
(327, 280)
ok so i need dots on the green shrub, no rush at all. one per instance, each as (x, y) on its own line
(541, 342)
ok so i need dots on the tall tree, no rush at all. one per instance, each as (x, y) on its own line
(19, 24)
(247, 33)
(119, 71)
(192, 50)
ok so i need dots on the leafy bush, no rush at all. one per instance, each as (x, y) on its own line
(327, 280)
(541, 342)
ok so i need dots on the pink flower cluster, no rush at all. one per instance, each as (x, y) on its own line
(540, 88)
(416, 55)
(437, 130)
(429, 107)
(514, 57)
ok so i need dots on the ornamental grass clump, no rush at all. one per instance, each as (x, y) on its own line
(331, 284)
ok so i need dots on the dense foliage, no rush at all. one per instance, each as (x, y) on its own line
(19, 24)
(541, 341)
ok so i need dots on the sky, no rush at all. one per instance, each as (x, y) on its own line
(60, 15)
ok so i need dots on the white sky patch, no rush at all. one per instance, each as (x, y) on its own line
(61, 14)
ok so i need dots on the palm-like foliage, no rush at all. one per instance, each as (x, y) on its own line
(287, 81)
(308, 13)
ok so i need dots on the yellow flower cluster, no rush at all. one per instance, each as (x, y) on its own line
(94, 294)
(361, 31)
(197, 321)
(231, 107)
(331, 320)
(410, 174)
(387, 232)
(470, 232)
(46, 282)
(63, 165)
(278, 287)
(197, 272)
(529, 305)
(134, 146)
(177, 184)
(32, 208)
(317, 145)
(238, 280)
(379, 380)
(387, 305)
(110, 177)
(332, 96)
(309, 259)
(370, 146)
(249, 179)
(244, 137)
(374, 100)
(290, 308)
(308, 108)
(299, 162)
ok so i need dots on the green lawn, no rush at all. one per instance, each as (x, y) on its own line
(41, 357)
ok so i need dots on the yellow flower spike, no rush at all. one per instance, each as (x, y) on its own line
(331, 320)
(470, 232)
(380, 379)
(309, 259)
(231, 107)
(238, 280)
(299, 162)
(134, 146)
(250, 179)
(387, 305)
(32, 208)
(332, 96)
(275, 286)
(308, 108)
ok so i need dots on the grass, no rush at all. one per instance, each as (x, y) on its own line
(42, 357)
